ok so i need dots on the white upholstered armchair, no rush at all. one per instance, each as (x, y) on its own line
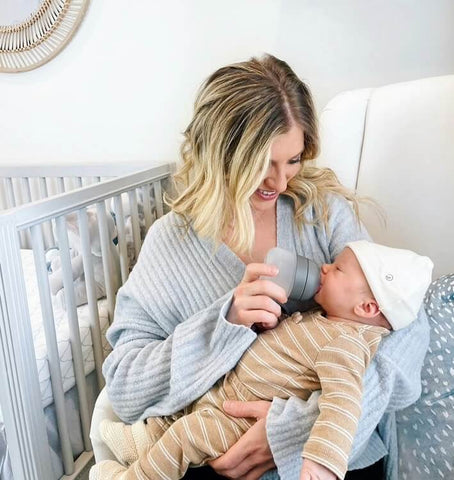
(396, 144)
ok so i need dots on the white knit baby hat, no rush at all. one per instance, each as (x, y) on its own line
(398, 279)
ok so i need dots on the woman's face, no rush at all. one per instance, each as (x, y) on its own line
(285, 163)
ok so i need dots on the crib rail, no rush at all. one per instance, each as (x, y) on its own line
(23, 184)
(20, 185)
(21, 399)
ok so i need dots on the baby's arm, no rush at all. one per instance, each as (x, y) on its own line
(340, 367)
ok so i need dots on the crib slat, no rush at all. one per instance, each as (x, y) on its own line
(76, 347)
(134, 221)
(35, 188)
(17, 191)
(52, 348)
(69, 183)
(26, 190)
(147, 206)
(3, 200)
(20, 392)
(158, 199)
(91, 296)
(120, 222)
(44, 193)
(10, 197)
(13, 201)
(60, 184)
(107, 260)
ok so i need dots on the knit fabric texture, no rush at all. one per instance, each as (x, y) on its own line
(171, 340)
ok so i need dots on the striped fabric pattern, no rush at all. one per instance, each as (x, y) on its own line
(306, 353)
(303, 353)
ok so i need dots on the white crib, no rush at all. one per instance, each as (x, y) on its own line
(36, 203)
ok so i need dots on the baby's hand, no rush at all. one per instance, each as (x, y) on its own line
(314, 471)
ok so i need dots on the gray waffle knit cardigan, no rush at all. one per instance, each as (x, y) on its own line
(171, 340)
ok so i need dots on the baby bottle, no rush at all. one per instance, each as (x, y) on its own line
(298, 276)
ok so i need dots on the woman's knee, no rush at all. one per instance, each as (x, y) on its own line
(103, 410)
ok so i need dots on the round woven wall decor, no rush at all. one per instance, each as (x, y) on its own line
(35, 41)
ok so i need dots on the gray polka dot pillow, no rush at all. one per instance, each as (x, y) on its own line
(425, 430)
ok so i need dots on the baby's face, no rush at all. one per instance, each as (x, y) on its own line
(342, 284)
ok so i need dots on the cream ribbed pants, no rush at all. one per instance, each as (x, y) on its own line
(201, 433)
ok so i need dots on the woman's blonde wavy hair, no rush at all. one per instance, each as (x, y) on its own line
(238, 112)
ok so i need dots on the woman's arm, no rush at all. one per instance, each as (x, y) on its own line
(393, 380)
(171, 340)
(181, 322)
(153, 372)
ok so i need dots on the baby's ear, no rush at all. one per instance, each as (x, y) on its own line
(368, 308)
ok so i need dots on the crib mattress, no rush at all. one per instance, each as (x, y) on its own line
(62, 333)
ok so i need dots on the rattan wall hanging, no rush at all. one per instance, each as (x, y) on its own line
(35, 41)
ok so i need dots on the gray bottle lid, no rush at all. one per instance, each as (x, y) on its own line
(298, 276)
(307, 279)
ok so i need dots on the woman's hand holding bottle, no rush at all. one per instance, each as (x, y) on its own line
(255, 300)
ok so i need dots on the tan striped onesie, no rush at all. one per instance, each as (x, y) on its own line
(302, 354)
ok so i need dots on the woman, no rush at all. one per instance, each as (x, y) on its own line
(195, 298)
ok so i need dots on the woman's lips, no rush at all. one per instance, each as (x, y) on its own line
(266, 195)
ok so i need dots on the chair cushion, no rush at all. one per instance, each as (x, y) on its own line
(425, 430)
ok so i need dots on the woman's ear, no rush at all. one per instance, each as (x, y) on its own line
(368, 308)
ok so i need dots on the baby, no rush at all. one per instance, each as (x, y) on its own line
(369, 290)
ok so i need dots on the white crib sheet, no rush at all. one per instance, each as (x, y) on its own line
(62, 331)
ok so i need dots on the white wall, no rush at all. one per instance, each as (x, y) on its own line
(122, 90)
(339, 45)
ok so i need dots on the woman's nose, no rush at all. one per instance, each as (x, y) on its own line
(277, 180)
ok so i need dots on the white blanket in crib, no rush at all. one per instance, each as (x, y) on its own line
(62, 331)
